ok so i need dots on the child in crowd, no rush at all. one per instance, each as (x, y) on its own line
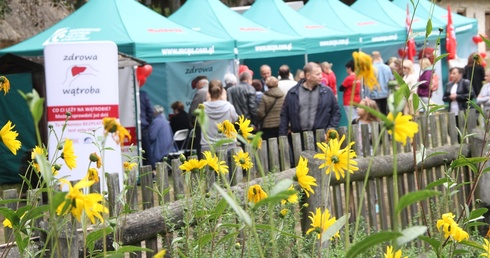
(365, 117)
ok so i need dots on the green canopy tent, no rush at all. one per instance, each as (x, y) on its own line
(213, 18)
(278, 16)
(333, 13)
(136, 30)
(464, 27)
(389, 13)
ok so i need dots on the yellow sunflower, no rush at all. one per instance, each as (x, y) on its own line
(292, 198)
(68, 154)
(9, 137)
(321, 222)
(336, 159)
(243, 160)
(227, 128)
(302, 177)
(37, 151)
(213, 162)
(4, 84)
(283, 213)
(390, 254)
(93, 175)
(192, 165)
(255, 194)
(96, 158)
(486, 246)
(129, 165)
(332, 134)
(364, 69)
(119, 133)
(160, 254)
(402, 127)
(451, 228)
(76, 202)
(244, 125)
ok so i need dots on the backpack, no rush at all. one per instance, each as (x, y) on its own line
(434, 82)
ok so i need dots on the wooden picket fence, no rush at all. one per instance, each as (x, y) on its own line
(438, 134)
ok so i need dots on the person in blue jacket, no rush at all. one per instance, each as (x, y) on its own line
(161, 135)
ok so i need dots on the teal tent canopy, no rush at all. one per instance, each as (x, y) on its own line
(333, 13)
(277, 15)
(136, 30)
(213, 18)
(389, 13)
(464, 27)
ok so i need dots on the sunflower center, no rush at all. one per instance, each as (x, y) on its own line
(242, 161)
(335, 159)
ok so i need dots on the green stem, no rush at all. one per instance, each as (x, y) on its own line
(366, 179)
(395, 186)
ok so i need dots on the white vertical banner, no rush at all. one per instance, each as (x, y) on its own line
(82, 78)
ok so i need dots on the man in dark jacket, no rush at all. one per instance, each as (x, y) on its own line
(309, 106)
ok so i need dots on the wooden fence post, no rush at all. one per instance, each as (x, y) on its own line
(148, 202)
(113, 191)
(9, 195)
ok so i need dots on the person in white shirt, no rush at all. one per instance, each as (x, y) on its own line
(285, 82)
(484, 96)
(411, 79)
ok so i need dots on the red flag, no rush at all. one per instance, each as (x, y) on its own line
(411, 49)
(450, 36)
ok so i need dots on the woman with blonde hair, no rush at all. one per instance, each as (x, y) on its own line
(411, 80)
(425, 79)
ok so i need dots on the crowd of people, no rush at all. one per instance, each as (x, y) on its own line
(309, 101)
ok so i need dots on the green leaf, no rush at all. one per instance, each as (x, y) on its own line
(177, 240)
(437, 153)
(267, 227)
(130, 249)
(414, 197)
(231, 236)
(477, 213)
(37, 110)
(431, 241)
(277, 198)
(204, 240)
(370, 241)
(410, 234)
(459, 252)
(335, 227)
(472, 244)
(437, 183)
(219, 209)
(281, 186)
(476, 224)
(487, 42)
(470, 162)
(428, 28)
(93, 236)
(478, 108)
(440, 57)
(243, 215)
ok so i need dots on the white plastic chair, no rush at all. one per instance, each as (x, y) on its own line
(180, 136)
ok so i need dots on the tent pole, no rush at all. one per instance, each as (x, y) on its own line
(306, 59)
